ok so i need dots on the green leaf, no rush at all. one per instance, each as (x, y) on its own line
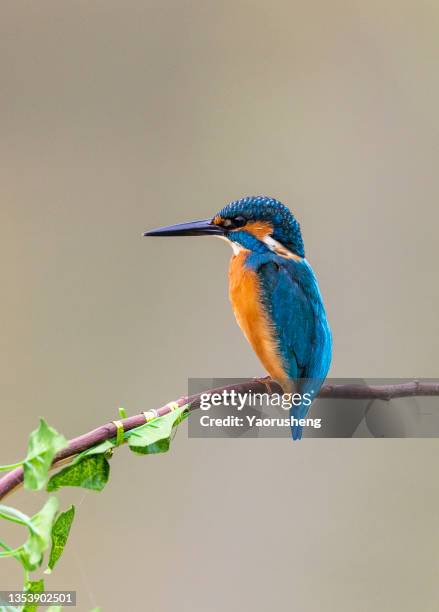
(103, 448)
(54, 609)
(88, 471)
(60, 533)
(43, 445)
(33, 586)
(40, 529)
(155, 436)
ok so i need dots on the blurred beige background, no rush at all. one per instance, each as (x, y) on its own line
(120, 116)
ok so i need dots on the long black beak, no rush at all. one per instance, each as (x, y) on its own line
(193, 228)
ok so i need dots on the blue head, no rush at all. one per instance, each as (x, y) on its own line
(256, 223)
(261, 219)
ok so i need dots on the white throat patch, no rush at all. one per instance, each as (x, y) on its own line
(237, 248)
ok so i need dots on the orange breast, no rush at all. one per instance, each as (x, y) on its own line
(244, 292)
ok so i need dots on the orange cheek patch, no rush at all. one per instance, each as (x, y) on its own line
(217, 220)
(260, 229)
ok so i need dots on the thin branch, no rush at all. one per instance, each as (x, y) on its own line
(105, 432)
(382, 392)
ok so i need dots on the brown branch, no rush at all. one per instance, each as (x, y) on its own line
(105, 432)
(382, 392)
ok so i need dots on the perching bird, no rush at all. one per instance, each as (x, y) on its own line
(273, 291)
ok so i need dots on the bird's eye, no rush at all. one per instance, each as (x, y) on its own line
(239, 221)
(234, 222)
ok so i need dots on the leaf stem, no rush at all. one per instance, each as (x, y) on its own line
(14, 515)
(12, 552)
(5, 546)
(12, 466)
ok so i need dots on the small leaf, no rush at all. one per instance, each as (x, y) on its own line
(33, 586)
(43, 445)
(54, 609)
(40, 529)
(155, 436)
(60, 533)
(88, 471)
(101, 448)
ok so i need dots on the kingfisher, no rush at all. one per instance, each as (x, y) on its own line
(274, 293)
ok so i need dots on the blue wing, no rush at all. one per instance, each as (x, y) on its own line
(293, 301)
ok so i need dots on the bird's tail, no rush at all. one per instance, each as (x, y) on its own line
(296, 430)
(309, 389)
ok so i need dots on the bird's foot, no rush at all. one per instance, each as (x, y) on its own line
(267, 381)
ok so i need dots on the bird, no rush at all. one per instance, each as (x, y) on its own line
(274, 293)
